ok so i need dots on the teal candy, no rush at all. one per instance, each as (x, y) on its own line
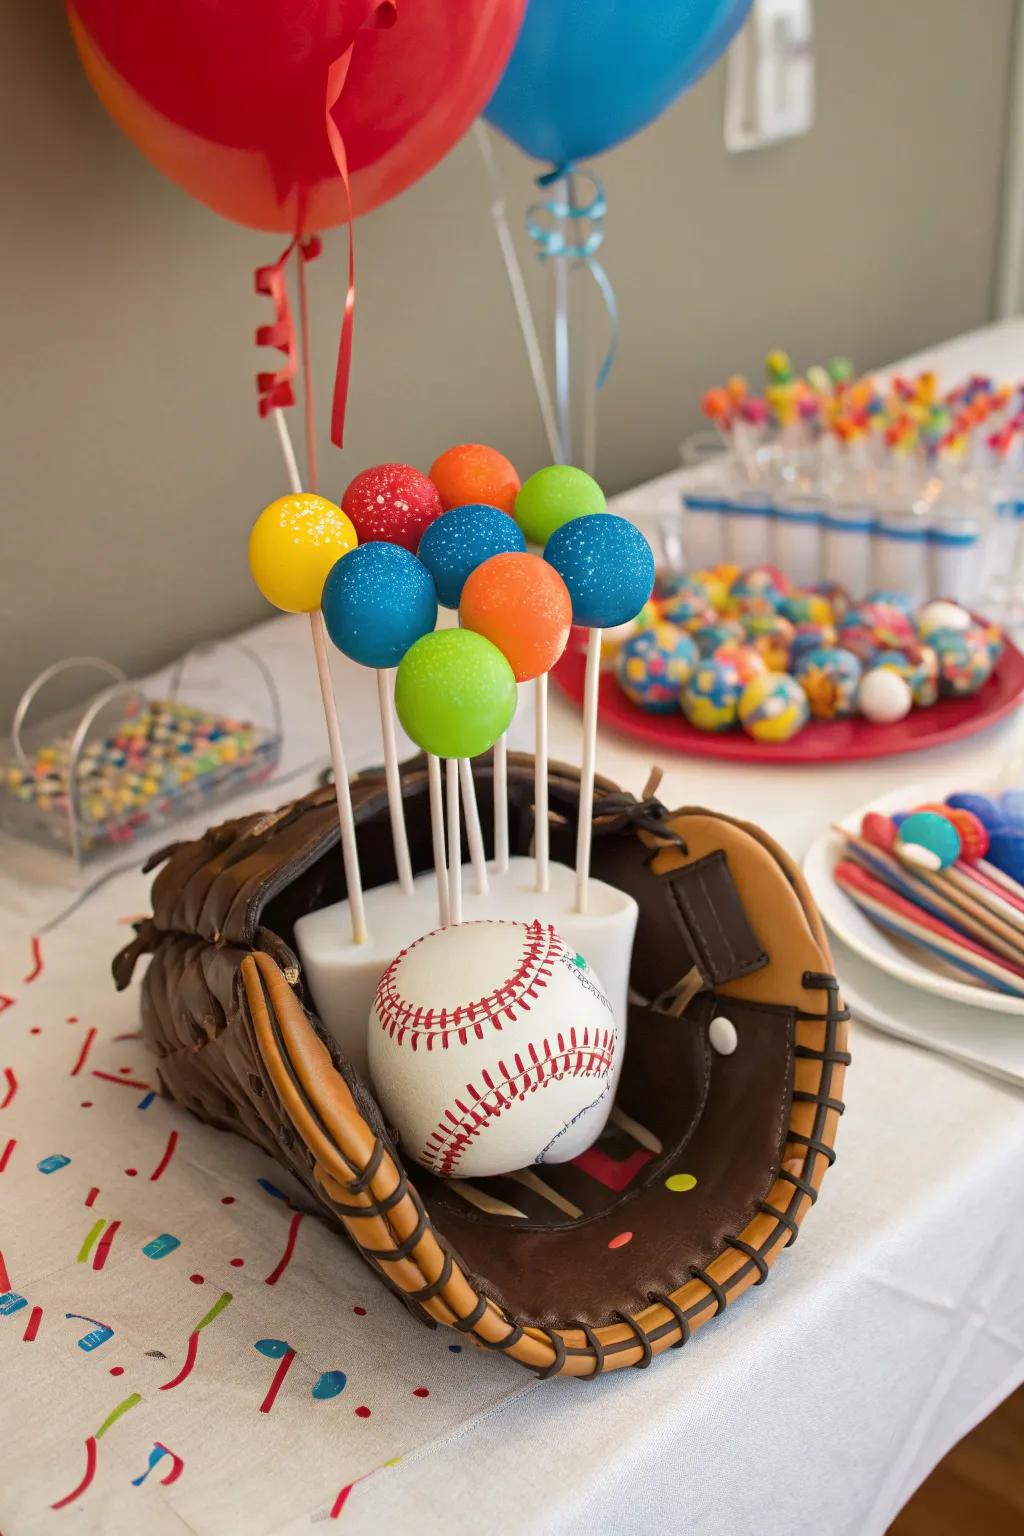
(927, 829)
(607, 565)
(454, 545)
(377, 602)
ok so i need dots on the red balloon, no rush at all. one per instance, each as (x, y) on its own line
(229, 97)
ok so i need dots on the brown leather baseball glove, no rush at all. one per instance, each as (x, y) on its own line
(709, 1162)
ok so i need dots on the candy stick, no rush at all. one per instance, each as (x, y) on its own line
(396, 809)
(451, 769)
(437, 838)
(474, 835)
(608, 569)
(501, 804)
(541, 822)
(292, 547)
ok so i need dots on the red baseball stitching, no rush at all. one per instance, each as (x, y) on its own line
(403, 1022)
(592, 1056)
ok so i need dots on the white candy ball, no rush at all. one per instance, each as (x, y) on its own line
(492, 1046)
(941, 614)
(884, 696)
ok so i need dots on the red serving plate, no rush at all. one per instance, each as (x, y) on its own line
(821, 741)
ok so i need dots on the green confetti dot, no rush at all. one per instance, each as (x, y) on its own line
(678, 1183)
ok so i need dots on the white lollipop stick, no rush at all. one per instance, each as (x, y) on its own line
(437, 836)
(396, 809)
(541, 824)
(501, 805)
(583, 835)
(451, 771)
(349, 851)
(474, 834)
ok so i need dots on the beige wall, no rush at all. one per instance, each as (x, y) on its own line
(133, 461)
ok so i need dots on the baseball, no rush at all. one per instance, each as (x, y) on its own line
(492, 1046)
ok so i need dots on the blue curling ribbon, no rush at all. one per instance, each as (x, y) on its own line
(550, 240)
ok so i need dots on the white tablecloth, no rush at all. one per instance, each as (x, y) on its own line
(813, 1406)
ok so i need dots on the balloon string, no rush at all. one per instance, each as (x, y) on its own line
(335, 84)
(550, 240)
(275, 388)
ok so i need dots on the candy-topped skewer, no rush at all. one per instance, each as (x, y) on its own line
(452, 548)
(455, 694)
(608, 568)
(521, 604)
(293, 545)
(378, 600)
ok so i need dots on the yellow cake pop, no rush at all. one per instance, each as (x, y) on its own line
(293, 545)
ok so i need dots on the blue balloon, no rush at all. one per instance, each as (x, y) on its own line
(607, 565)
(378, 600)
(454, 545)
(586, 74)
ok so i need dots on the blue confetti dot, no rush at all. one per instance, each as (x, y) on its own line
(329, 1384)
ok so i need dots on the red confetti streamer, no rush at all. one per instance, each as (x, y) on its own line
(103, 1246)
(90, 1473)
(35, 1318)
(38, 963)
(5, 1156)
(12, 1087)
(190, 1359)
(335, 84)
(172, 1142)
(123, 1082)
(5, 1279)
(289, 1248)
(83, 1053)
(276, 1384)
(90, 1198)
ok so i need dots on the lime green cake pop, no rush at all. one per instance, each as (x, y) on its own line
(554, 496)
(455, 693)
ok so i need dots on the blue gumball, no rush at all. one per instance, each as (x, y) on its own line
(1006, 852)
(607, 565)
(378, 600)
(928, 840)
(982, 806)
(585, 74)
(1011, 804)
(454, 545)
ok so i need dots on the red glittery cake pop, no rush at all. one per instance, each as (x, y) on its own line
(392, 504)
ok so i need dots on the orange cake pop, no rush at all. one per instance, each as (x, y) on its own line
(472, 472)
(522, 605)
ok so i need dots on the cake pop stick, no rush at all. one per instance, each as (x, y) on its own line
(378, 600)
(474, 834)
(520, 603)
(607, 566)
(451, 769)
(455, 694)
(437, 838)
(501, 804)
(292, 547)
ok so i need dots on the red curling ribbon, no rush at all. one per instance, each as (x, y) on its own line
(335, 83)
(275, 389)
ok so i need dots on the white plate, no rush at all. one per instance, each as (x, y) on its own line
(856, 929)
(973, 1036)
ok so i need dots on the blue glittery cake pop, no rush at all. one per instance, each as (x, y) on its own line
(378, 600)
(454, 544)
(607, 565)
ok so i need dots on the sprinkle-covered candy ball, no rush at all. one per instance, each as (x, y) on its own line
(919, 669)
(553, 497)
(293, 544)
(607, 565)
(455, 544)
(808, 636)
(773, 707)
(830, 678)
(996, 642)
(689, 609)
(939, 615)
(654, 666)
(928, 840)
(472, 472)
(837, 596)
(892, 598)
(711, 698)
(378, 600)
(807, 608)
(468, 1024)
(393, 503)
(964, 661)
(772, 635)
(455, 693)
(748, 662)
(520, 603)
(884, 696)
(764, 581)
(710, 636)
